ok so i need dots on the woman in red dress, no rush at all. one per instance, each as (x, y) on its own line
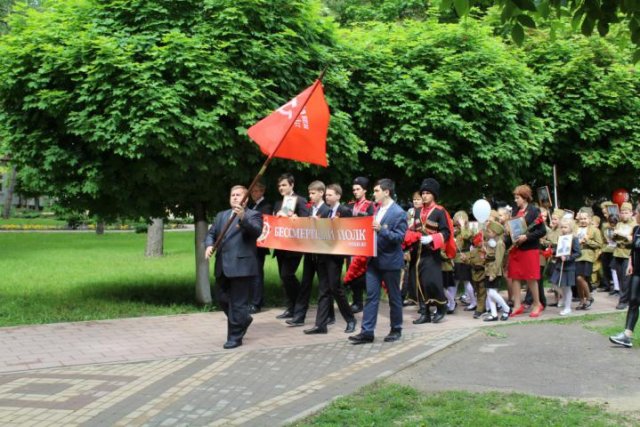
(524, 260)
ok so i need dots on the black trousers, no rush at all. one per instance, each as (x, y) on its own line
(257, 290)
(605, 276)
(409, 290)
(233, 296)
(620, 265)
(330, 288)
(634, 302)
(309, 271)
(287, 267)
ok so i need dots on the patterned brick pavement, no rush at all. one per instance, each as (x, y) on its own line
(172, 371)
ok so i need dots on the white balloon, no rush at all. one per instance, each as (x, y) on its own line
(481, 210)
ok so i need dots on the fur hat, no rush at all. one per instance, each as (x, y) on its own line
(432, 186)
(496, 227)
(362, 182)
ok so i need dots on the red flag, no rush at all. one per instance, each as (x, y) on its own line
(297, 130)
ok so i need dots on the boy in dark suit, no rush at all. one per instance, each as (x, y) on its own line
(329, 272)
(318, 209)
(236, 263)
(258, 203)
(288, 261)
(360, 206)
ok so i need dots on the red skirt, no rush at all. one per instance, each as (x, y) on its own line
(524, 264)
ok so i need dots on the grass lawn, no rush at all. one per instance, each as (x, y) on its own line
(383, 404)
(58, 277)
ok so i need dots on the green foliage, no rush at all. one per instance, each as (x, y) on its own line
(354, 11)
(442, 100)
(590, 109)
(73, 217)
(586, 15)
(8, 6)
(130, 107)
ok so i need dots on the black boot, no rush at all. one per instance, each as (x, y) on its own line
(425, 315)
(440, 311)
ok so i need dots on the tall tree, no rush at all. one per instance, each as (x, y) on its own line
(445, 100)
(10, 185)
(132, 107)
(590, 109)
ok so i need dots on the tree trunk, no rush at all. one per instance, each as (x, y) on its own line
(203, 287)
(8, 197)
(155, 238)
(100, 227)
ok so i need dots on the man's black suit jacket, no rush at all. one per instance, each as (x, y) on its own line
(237, 255)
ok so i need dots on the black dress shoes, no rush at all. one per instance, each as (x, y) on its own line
(356, 308)
(246, 327)
(285, 315)
(361, 339)
(424, 318)
(439, 314)
(331, 321)
(394, 335)
(294, 322)
(232, 344)
(316, 330)
(351, 326)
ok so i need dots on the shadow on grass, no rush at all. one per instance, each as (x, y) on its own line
(156, 293)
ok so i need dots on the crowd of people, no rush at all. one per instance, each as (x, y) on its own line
(425, 257)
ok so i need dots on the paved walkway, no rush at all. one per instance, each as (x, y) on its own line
(166, 371)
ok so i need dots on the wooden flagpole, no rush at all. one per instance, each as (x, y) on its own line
(265, 165)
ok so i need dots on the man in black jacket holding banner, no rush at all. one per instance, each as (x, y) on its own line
(236, 263)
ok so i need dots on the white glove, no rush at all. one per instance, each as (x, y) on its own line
(425, 240)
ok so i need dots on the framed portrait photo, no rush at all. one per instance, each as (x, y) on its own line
(544, 197)
(564, 245)
(517, 228)
(289, 205)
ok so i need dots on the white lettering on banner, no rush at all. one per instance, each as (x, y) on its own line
(302, 120)
(304, 233)
(357, 244)
(287, 109)
(357, 234)
(314, 234)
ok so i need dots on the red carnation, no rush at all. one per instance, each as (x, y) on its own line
(477, 239)
(357, 268)
(410, 238)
